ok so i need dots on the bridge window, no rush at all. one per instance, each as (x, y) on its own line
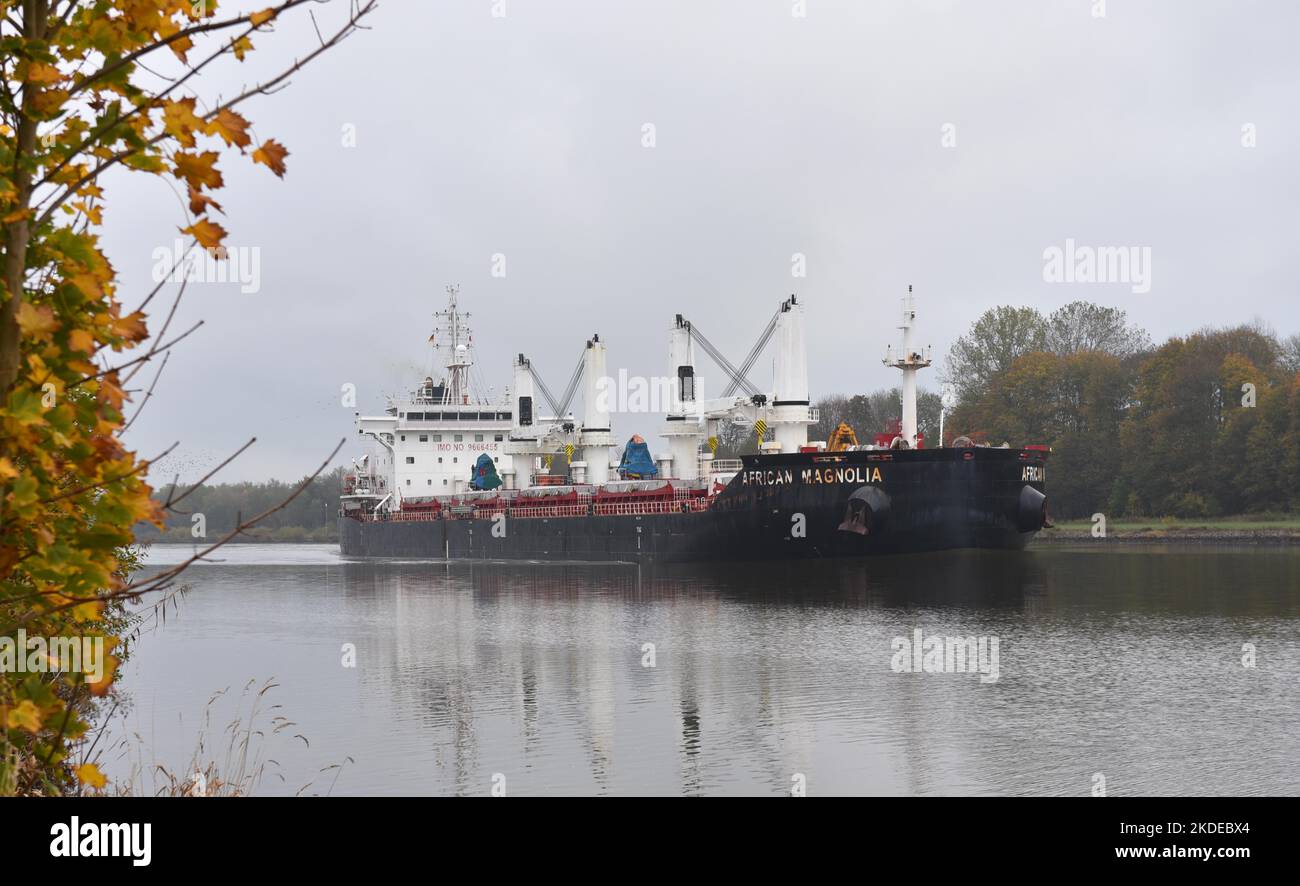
(424, 438)
(410, 460)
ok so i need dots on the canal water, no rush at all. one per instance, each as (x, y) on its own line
(1133, 670)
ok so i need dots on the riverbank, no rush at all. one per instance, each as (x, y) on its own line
(1245, 530)
(279, 535)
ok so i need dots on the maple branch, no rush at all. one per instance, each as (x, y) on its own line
(100, 484)
(181, 35)
(343, 33)
(142, 359)
(147, 394)
(180, 293)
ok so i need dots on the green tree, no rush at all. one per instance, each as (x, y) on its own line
(994, 342)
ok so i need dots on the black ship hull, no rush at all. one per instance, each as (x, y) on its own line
(779, 507)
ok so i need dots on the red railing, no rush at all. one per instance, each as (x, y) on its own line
(675, 505)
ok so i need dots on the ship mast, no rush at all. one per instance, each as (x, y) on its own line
(910, 361)
(458, 340)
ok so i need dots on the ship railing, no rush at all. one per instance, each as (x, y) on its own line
(638, 508)
(725, 465)
(581, 509)
(395, 516)
(536, 511)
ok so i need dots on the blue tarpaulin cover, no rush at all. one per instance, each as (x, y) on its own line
(636, 462)
(484, 475)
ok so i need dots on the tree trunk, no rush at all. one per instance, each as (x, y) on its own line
(18, 233)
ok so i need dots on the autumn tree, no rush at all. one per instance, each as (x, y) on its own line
(1186, 439)
(89, 86)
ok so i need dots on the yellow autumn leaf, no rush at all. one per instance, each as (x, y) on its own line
(36, 322)
(200, 202)
(81, 340)
(110, 671)
(260, 18)
(25, 716)
(208, 233)
(7, 469)
(91, 610)
(89, 775)
(232, 128)
(41, 73)
(180, 120)
(88, 285)
(131, 327)
(48, 102)
(198, 170)
(272, 154)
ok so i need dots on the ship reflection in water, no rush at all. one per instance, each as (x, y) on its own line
(590, 679)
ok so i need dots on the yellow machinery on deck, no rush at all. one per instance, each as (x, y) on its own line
(841, 438)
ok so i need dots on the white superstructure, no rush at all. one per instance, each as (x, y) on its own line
(428, 441)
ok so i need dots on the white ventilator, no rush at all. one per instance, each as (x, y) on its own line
(790, 413)
(524, 402)
(681, 427)
(595, 437)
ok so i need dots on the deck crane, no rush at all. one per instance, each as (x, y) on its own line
(785, 409)
(535, 435)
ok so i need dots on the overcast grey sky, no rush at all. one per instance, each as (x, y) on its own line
(774, 135)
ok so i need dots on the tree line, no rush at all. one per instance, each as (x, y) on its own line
(1206, 424)
(220, 506)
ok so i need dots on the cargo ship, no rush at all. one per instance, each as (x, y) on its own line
(454, 473)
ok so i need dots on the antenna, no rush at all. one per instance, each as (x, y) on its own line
(910, 362)
(453, 336)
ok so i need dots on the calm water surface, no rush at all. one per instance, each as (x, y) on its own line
(1119, 660)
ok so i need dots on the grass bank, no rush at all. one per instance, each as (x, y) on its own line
(1262, 528)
